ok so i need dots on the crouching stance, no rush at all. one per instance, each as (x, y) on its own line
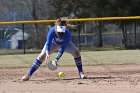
(58, 38)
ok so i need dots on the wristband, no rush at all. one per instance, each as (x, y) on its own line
(59, 54)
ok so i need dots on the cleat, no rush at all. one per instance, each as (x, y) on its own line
(82, 76)
(25, 78)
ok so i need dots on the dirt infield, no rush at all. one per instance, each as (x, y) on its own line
(101, 79)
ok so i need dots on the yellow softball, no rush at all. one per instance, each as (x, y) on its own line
(61, 74)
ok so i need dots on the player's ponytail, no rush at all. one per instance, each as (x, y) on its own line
(63, 21)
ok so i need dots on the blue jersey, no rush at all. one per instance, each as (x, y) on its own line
(62, 41)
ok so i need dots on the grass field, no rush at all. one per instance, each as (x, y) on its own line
(89, 58)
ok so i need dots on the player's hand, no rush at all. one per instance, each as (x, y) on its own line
(55, 60)
(47, 56)
(54, 63)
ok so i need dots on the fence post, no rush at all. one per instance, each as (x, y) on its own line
(135, 33)
(79, 24)
(23, 39)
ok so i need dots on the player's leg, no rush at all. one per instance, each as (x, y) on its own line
(38, 61)
(72, 49)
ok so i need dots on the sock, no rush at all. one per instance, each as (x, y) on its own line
(34, 66)
(78, 62)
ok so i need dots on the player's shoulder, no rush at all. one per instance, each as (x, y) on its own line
(52, 28)
(68, 31)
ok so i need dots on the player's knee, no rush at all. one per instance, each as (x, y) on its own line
(41, 58)
(77, 54)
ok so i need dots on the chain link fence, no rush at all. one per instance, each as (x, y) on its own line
(88, 35)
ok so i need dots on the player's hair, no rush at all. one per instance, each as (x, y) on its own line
(61, 21)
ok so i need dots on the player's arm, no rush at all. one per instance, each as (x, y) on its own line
(63, 46)
(48, 42)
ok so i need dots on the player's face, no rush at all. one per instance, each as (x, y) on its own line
(60, 30)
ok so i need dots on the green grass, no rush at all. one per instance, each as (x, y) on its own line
(18, 51)
(89, 58)
(107, 48)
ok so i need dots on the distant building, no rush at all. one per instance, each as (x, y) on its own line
(15, 41)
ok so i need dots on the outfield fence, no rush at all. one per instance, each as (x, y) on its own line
(90, 33)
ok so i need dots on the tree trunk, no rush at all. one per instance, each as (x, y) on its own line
(124, 31)
(98, 34)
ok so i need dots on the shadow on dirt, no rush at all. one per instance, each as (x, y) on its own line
(69, 79)
(108, 77)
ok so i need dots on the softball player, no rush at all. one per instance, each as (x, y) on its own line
(58, 38)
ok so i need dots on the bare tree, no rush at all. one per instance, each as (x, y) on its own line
(32, 6)
(37, 9)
